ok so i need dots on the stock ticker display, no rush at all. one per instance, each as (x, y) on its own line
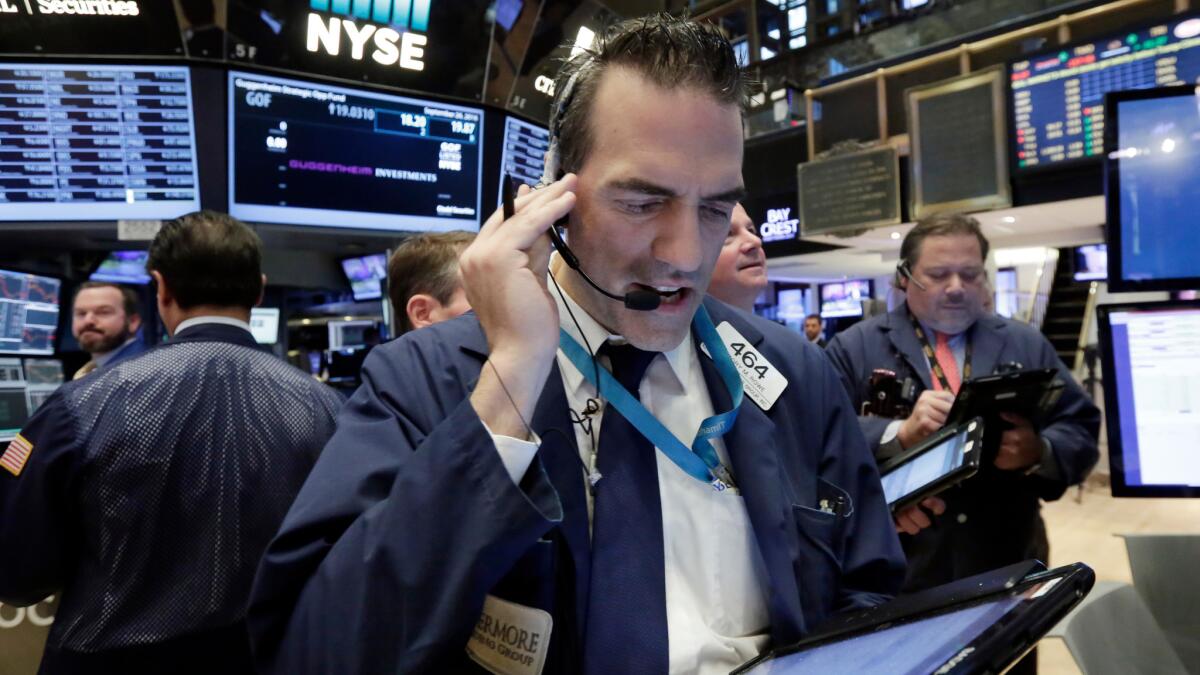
(312, 154)
(95, 142)
(524, 155)
(1058, 97)
(28, 313)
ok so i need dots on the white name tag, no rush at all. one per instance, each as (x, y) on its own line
(760, 380)
(510, 639)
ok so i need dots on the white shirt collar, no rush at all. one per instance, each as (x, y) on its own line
(223, 320)
(597, 335)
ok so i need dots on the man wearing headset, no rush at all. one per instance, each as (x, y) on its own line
(992, 519)
(485, 507)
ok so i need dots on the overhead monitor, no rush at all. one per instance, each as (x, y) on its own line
(28, 313)
(844, 298)
(1152, 188)
(264, 325)
(352, 334)
(123, 267)
(306, 153)
(366, 275)
(96, 142)
(1091, 262)
(524, 153)
(1057, 97)
(1151, 359)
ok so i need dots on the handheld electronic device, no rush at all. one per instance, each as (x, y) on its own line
(1029, 393)
(950, 630)
(944, 459)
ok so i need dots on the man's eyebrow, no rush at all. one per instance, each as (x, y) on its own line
(655, 190)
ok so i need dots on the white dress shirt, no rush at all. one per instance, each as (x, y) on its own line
(715, 578)
(223, 320)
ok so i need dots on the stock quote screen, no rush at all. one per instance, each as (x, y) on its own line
(28, 313)
(96, 142)
(524, 155)
(1058, 97)
(312, 154)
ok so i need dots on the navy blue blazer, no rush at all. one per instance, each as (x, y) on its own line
(993, 519)
(409, 519)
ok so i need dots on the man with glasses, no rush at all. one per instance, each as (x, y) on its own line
(993, 519)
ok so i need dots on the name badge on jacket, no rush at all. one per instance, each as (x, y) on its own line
(510, 639)
(761, 381)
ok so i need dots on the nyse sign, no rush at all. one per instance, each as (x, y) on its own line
(780, 226)
(388, 45)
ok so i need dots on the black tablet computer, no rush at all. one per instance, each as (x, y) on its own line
(1029, 393)
(944, 459)
(982, 633)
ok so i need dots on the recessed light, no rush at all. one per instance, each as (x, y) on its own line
(1009, 219)
(895, 235)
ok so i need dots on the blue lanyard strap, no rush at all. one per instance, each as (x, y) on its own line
(700, 461)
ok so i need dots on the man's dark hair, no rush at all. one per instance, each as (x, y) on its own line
(129, 298)
(938, 225)
(813, 316)
(208, 258)
(669, 51)
(424, 263)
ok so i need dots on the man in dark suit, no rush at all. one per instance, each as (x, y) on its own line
(813, 329)
(993, 519)
(105, 320)
(484, 506)
(741, 271)
(147, 491)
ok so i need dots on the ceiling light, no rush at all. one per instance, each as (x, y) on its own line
(895, 235)
(1009, 219)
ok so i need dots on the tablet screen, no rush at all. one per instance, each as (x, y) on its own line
(924, 468)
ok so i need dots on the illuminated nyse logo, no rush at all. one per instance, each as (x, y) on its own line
(79, 7)
(325, 33)
(779, 226)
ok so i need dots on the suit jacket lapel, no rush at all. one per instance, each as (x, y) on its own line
(756, 470)
(559, 453)
(988, 337)
(904, 339)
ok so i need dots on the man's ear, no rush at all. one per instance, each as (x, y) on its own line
(135, 322)
(420, 309)
(162, 293)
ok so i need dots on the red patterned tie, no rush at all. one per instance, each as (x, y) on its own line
(945, 359)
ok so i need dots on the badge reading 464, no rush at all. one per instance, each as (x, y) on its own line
(761, 380)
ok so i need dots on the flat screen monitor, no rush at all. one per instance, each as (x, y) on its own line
(351, 334)
(1152, 187)
(28, 313)
(264, 325)
(1007, 295)
(1091, 262)
(96, 142)
(524, 153)
(844, 298)
(306, 153)
(1058, 96)
(14, 398)
(123, 267)
(1151, 358)
(366, 275)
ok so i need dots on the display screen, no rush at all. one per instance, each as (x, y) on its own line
(1155, 376)
(123, 267)
(96, 142)
(1157, 188)
(1091, 262)
(908, 648)
(525, 148)
(28, 313)
(844, 298)
(924, 469)
(1058, 97)
(312, 154)
(366, 275)
(1007, 294)
(264, 325)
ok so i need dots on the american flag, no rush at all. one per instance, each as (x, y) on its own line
(14, 458)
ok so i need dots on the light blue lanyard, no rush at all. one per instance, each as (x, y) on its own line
(701, 460)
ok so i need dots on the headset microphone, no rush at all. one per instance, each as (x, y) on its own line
(642, 301)
(904, 269)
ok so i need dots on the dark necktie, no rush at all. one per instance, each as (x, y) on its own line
(627, 600)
